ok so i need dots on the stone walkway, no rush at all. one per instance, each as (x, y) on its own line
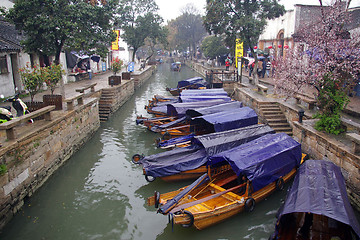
(353, 108)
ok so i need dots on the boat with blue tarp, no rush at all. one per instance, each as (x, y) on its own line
(216, 122)
(196, 112)
(191, 83)
(179, 109)
(204, 92)
(189, 162)
(257, 169)
(317, 206)
(176, 66)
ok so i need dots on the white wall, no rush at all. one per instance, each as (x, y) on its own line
(6, 83)
(286, 22)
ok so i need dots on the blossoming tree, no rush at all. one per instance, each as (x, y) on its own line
(325, 61)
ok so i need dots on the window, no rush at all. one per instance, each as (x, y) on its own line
(3, 65)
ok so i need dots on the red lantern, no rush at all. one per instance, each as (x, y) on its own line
(286, 47)
(269, 47)
(255, 47)
(279, 46)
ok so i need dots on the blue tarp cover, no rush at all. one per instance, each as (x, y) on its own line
(263, 160)
(179, 109)
(172, 202)
(222, 121)
(178, 140)
(173, 163)
(194, 98)
(189, 158)
(198, 81)
(319, 188)
(221, 141)
(203, 92)
(214, 109)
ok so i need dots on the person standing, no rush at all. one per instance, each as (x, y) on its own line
(227, 64)
(263, 70)
(268, 68)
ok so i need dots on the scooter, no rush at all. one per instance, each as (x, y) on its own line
(18, 105)
(5, 114)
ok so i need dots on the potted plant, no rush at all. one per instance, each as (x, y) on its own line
(32, 79)
(116, 67)
(52, 76)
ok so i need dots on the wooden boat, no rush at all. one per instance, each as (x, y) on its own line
(189, 162)
(216, 122)
(191, 83)
(157, 121)
(158, 100)
(179, 109)
(176, 66)
(258, 168)
(317, 206)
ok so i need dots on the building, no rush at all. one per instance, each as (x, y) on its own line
(280, 32)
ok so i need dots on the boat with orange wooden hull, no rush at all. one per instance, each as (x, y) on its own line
(157, 121)
(216, 122)
(191, 83)
(317, 206)
(190, 162)
(178, 109)
(258, 168)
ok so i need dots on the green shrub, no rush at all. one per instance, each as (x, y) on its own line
(3, 169)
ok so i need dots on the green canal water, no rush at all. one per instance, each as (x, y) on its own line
(100, 194)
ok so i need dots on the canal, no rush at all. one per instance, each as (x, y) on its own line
(100, 194)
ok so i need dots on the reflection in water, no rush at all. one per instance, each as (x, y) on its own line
(100, 194)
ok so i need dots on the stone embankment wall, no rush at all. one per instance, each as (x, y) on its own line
(141, 77)
(320, 145)
(38, 153)
(317, 144)
(35, 155)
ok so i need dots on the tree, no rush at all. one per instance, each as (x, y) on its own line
(244, 19)
(189, 28)
(139, 21)
(56, 24)
(50, 26)
(326, 59)
(145, 27)
(213, 46)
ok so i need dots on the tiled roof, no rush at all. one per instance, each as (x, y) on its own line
(9, 37)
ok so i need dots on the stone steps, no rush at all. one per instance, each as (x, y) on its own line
(275, 118)
(105, 102)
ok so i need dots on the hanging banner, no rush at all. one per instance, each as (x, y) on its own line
(115, 44)
(239, 51)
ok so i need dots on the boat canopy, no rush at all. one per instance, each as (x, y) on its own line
(179, 109)
(214, 143)
(263, 160)
(174, 161)
(203, 92)
(197, 81)
(194, 98)
(194, 156)
(319, 188)
(222, 121)
(214, 109)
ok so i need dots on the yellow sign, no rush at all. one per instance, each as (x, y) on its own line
(115, 44)
(239, 51)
